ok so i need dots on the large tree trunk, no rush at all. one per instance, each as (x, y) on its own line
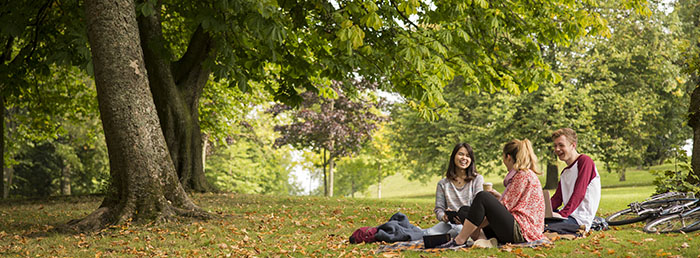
(552, 176)
(694, 122)
(144, 184)
(176, 88)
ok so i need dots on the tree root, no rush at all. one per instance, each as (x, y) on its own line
(97, 220)
(103, 217)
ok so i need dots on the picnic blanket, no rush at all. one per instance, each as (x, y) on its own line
(417, 245)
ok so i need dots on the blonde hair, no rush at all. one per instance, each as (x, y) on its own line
(524, 157)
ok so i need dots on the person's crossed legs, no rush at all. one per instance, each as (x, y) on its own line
(485, 207)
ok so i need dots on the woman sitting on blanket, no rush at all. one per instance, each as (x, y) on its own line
(457, 189)
(519, 214)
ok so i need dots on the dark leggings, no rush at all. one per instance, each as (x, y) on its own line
(501, 222)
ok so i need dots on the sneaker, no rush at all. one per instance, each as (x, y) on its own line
(483, 243)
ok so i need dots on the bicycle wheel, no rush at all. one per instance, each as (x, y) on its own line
(626, 216)
(692, 222)
(674, 223)
(667, 224)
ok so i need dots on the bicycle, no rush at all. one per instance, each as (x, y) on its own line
(654, 207)
(687, 221)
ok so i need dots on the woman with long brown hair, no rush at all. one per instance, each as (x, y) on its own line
(456, 190)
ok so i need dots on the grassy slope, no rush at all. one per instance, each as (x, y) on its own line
(270, 226)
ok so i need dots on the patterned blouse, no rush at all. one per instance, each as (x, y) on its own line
(523, 198)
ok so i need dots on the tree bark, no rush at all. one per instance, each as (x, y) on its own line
(325, 179)
(552, 176)
(330, 176)
(352, 188)
(7, 170)
(379, 182)
(623, 174)
(144, 184)
(65, 179)
(9, 176)
(176, 88)
(5, 56)
(205, 145)
(694, 122)
(2, 146)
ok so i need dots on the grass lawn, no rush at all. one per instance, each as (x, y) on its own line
(282, 226)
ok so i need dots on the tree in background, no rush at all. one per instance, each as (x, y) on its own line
(354, 175)
(689, 13)
(375, 161)
(385, 156)
(246, 166)
(241, 156)
(332, 126)
(619, 93)
(59, 109)
(486, 121)
(233, 120)
(38, 42)
(635, 85)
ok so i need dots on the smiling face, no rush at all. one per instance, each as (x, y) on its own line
(565, 149)
(462, 159)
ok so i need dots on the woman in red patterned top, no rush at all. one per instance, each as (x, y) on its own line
(519, 214)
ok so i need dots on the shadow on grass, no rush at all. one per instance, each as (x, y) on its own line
(51, 199)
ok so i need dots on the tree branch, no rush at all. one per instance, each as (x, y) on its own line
(403, 15)
(197, 51)
(7, 52)
(189, 72)
(39, 17)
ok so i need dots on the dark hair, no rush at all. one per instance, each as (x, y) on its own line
(471, 169)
